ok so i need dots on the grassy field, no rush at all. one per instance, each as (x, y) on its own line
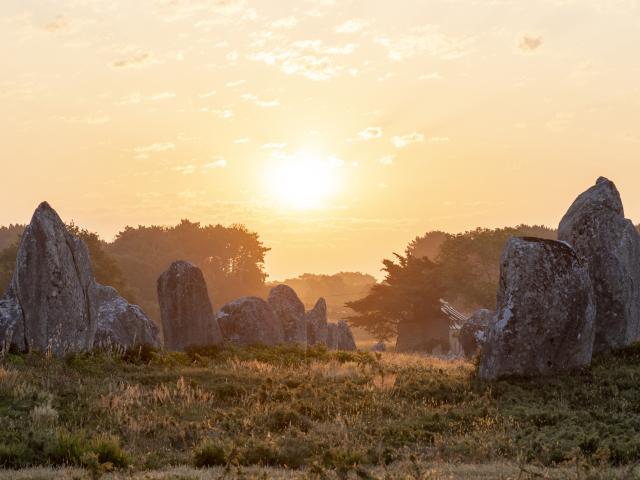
(284, 412)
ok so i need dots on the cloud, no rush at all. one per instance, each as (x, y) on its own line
(214, 12)
(156, 147)
(241, 141)
(58, 24)
(387, 160)
(430, 76)
(249, 97)
(428, 40)
(88, 120)
(219, 162)
(406, 140)
(351, 26)
(439, 140)
(286, 22)
(529, 43)
(274, 146)
(208, 94)
(370, 133)
(235, 83)
(162, 96)
(224, 113)
(133, 57)
(311, 59)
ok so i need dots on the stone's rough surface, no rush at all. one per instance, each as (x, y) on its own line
(122, 324)
(250, 321)
(317, 325)
(10, 322)
(288, 308)
(473, 333)
(185, 308)
(423, 336)
(544, 322)
(50, 304)
(596, 229)
(340, 336)
(379, 347)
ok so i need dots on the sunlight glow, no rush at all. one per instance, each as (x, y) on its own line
(303, 181)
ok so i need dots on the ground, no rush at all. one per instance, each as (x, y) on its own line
(289, 413)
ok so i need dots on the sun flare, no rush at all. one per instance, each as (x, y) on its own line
(303, 181)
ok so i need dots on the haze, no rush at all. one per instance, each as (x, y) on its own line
(338, 130)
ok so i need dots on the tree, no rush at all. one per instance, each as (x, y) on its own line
(410, 293)
(104, 267)
(231, 259)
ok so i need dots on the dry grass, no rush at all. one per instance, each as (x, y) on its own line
(314, 412)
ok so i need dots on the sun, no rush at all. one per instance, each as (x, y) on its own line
(303, 181)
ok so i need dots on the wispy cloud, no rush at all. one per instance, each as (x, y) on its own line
(406, 140)
(429, 40)
(134, 57)
(387, 160)
(351, 26)
(370, 133)
(249, 97)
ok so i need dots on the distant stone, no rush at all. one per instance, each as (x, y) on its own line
(424, 335)
(50, 304)
(250, 321)
(317, 324)
(340, 336)
(545, 314)
(122, 324)
(379, 347)
(288, 308)
(596, 228)
(473, 333)
(185, 308)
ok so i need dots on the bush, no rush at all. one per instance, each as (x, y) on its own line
(109, 451)
(210, 454)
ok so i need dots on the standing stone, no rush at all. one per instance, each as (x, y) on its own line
(50, 303)
(122, 324)
(11, 323)
(345, 337)
(250, 321)
(473, 333)
(317, 325)
(544, 322)
(597, 230)
(332, 336)
(185, 308)
(290, 311)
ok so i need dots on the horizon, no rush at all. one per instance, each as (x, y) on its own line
(338, 131)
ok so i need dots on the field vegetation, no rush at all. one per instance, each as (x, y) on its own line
(312, 413)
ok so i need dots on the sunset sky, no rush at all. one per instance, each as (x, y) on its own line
(337, 129)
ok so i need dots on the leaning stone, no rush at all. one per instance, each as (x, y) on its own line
(544, 322)
(596, 228)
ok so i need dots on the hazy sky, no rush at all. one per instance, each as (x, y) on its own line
(337, 129)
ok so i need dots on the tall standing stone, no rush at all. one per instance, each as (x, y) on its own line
(185, 308)
(50, 304)
(288, 308)
(544, 321)
(250, 321)
(317, 325)
(597, 230)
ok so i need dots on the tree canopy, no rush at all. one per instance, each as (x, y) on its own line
(231, 259)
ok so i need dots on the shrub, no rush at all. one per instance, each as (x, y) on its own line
(210, 454)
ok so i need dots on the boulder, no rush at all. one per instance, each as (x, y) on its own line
(544, 322)
(250, 321)
(123, 324)
(317, 325)
(185, 308)
(50, 304)
(596, 229)
(473, 333)
(288, 308)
